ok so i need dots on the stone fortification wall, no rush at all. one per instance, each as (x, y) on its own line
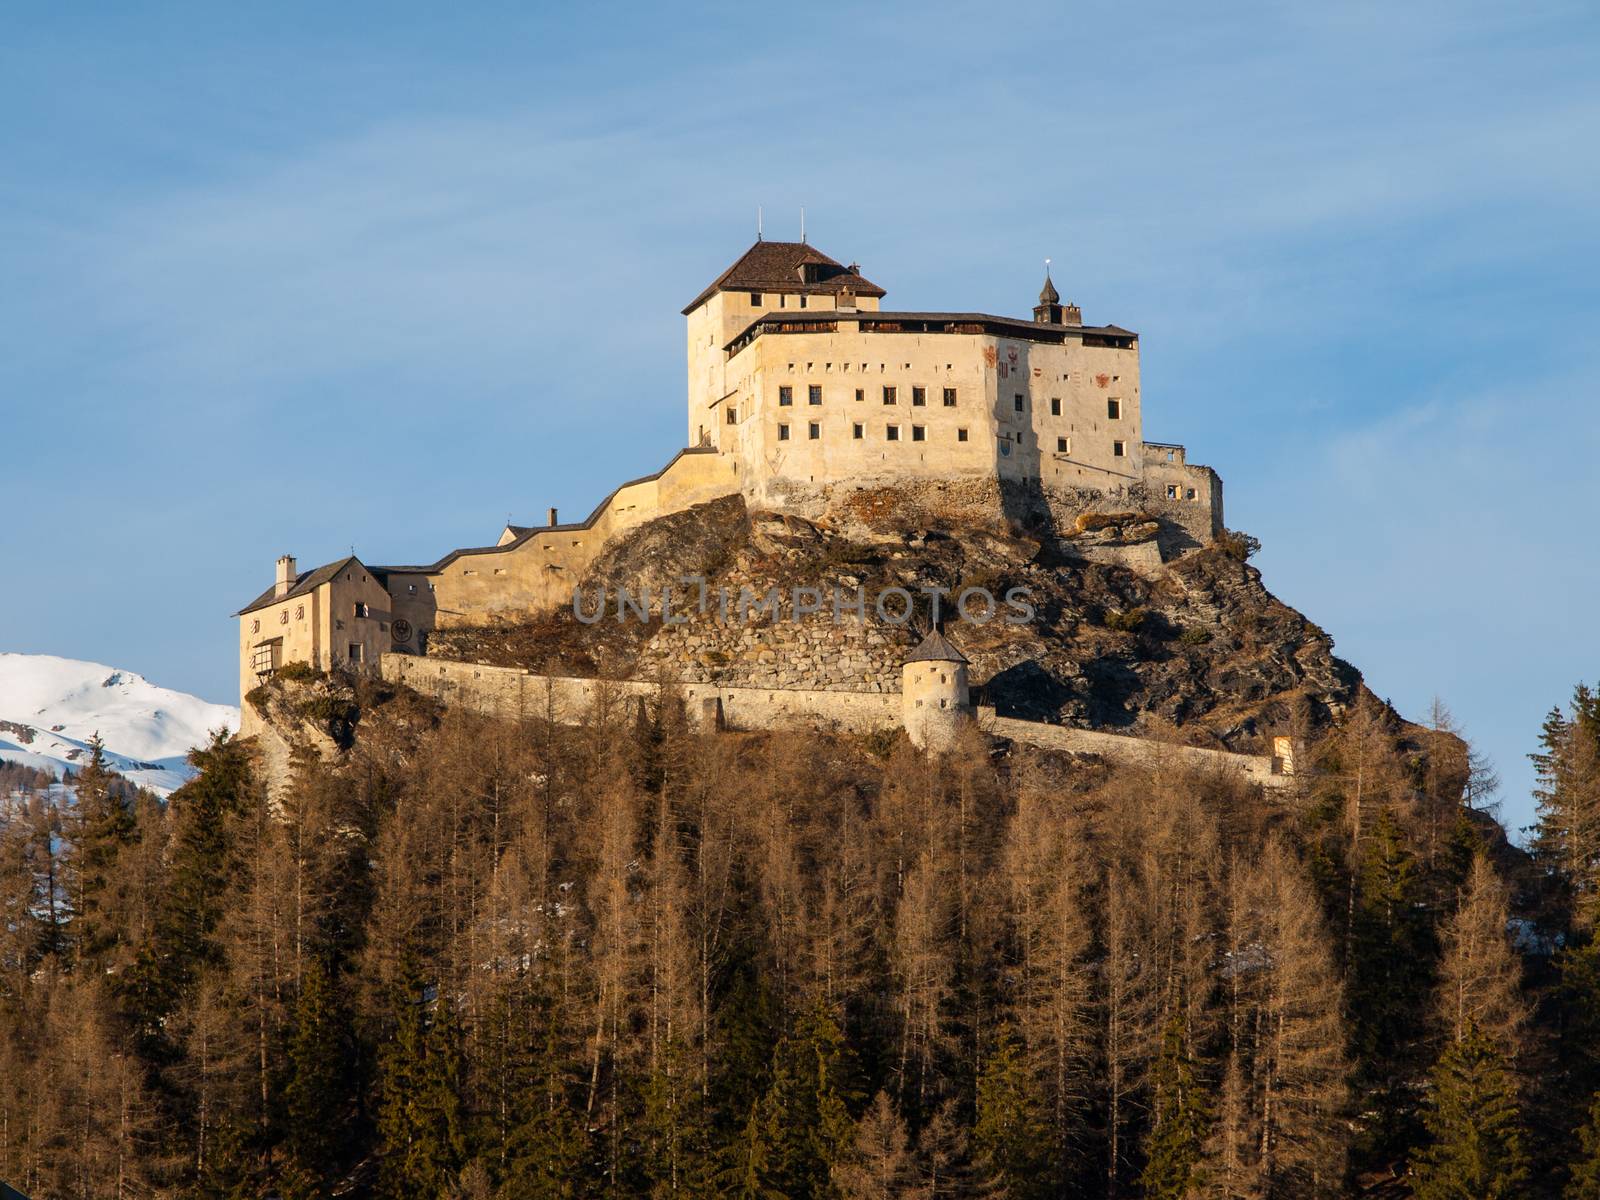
(516, 694)
(1141, 751)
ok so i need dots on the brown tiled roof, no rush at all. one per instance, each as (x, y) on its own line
(936, 648)
(775, 266)
(305, 582)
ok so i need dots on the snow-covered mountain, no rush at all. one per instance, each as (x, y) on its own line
(50, 707)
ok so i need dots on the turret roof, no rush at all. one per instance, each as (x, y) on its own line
(936, 648)
(1048, 294)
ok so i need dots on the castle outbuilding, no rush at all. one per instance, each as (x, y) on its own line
(802, 388)
(934, 700)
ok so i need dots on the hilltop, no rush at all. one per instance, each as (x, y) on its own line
(1195, 649)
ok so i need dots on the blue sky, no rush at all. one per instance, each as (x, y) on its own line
(269, 276)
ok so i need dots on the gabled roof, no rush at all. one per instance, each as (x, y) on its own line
(306, 581)
(936, 648)
(776, 266)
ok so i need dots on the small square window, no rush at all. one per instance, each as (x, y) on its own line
(861, 394)
(1055, 406)
(949, 397)
(892, 432)
(888, 394)
(755, 298)
(814, 430)
(1119, 450)
(1017, 401)
(814, 394)
(1061, 446)
(1189, 495)
(1172, 491)
(961, 435)
(355, 651)
(1113, 410)
(785, 396)
(919, 433)
(360, 610)
(919, 397)
(858, 431)
(783, 433)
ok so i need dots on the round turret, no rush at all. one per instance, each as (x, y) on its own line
(933, 693)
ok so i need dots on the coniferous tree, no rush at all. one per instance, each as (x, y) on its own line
(1010, 1142)
(103, 827)
(1476, 1125)
(1182, 1119)
(318, 1111)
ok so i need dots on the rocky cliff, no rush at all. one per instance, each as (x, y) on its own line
(1193, 649)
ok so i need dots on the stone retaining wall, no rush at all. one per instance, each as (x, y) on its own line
(516, 694)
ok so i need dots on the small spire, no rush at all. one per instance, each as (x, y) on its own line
(1048, 294)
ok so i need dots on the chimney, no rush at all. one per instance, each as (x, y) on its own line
(552, 518)
(285, 577)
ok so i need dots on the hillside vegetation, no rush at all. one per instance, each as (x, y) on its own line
(461, 958)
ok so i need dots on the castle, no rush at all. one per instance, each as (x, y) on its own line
(800, 385)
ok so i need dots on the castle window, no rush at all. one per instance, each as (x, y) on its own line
(1017, 401)
(355, 651)
(919, 396)
(1172, 491)
(785, 396)
(814, 394)
(919, 433)
(861, 394)
(755, 298)
(1113, 410)
(888, 394)
(1119, 450)
(1055, 406)
(783, 433)
(733, 415)
(815, 430)
(961, 435)
(1171, 455)
(1062, 446)
(858, 431)
(892, 432)
(949, 397)
(361, 610)
(1190, 495)
(802, 301)
(255, 626)
(411, 588)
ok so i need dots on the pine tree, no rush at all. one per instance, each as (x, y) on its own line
(317, 1126)
(104, 826)
(548, 1150)
(420, 1107)
(1567, 836)
(1476, 1127)
(1010, 1140)
(1392, 953)
(1584, 1180)
(1182, 1119)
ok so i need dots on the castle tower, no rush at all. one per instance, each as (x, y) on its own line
(933, 693)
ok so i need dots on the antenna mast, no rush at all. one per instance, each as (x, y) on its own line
(758, 222)
(802, 223)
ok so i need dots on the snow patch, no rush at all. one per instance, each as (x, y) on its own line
(50, 707)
